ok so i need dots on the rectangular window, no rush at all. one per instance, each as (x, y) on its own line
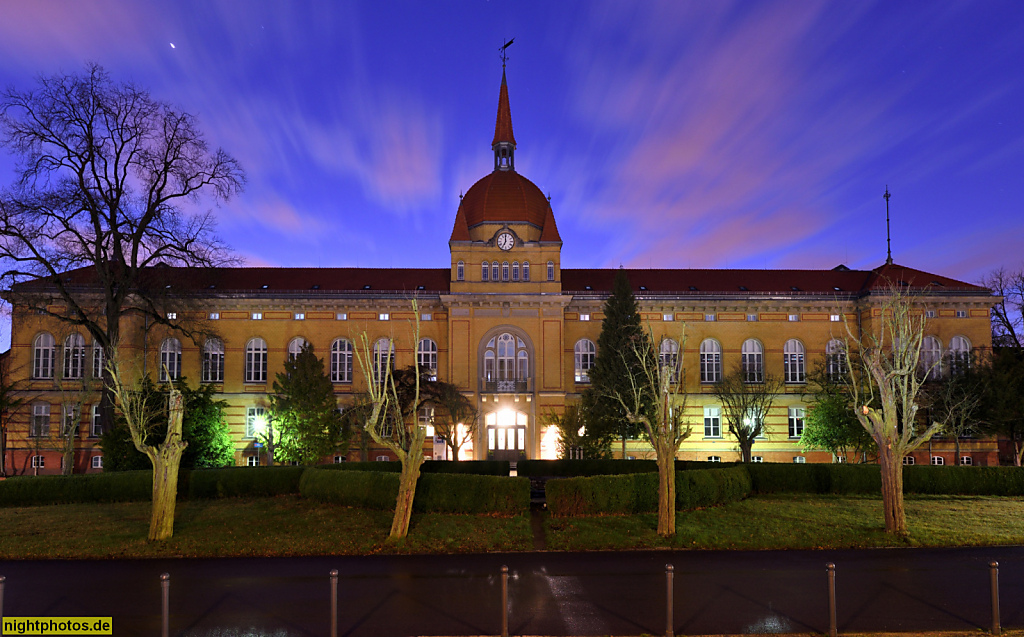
(255, 421)
(835, 318)
(214, 316)
(40, 420)
(752, 318)
(961, 313)
(341, 316)
(257, 316)
(757, 458)
(383, 459)
(794, 317)
(584, 317)
(712, 422)
(938, 461)
(383, 316)
(965, 460)
(908, 459)
(171, 316)
(709, 317)
(97, 462)
(300, 316)
(97, 361)
(252, 461)
(426, 316)
(714, 458)
(95, 424)
(796, 422)
(38, 462)
(71, 417)
(929, 314)
(339, 459)
(213, 364)
(799, 460)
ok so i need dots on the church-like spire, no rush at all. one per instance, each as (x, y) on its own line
(504, 144)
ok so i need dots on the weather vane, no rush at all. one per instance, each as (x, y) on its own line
(504, 54)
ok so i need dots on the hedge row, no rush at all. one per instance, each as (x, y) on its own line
(571, 468)
(125, 486)
(477, 467)
(638, 492)
(867, 479)
(435, 492)
(1000, 481)
(235, 482)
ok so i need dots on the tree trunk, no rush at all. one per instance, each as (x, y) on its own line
(67, 465)
(745, 449)
(407, 488)
(956, 447)
(892, 490)
(623, 447)
(666, 493)
(166, 459)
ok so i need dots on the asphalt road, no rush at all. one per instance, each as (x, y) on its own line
(549, 593)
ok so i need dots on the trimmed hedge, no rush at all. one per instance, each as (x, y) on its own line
(382, 467)
(1000, 481)
(435, 492)
(780, 477)
(638, 492)
(234, 482)
(572, 468)
(124, 486)
(477, 467)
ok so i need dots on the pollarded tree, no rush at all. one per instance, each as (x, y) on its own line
(745, 406)
(615, 363)
(104, 174)
(456, 419)
(653, 399)
(304, 410)
(1008, 313)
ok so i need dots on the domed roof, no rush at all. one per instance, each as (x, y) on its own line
(505, 196)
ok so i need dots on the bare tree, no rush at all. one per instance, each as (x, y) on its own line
(663, 419)
(889, 356)
(140, 416)
(389, 424)
(104, 174)
(955, 401)
(745, 406)
(1008, 313)
(456, 420)
(10, 401)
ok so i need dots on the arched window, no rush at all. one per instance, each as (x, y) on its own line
(494, 271)
(710, 361)
(959, 355)
(341, 361)
(74, 356)
(584, 357)
(551, 270)
(515, 270)
(170, 360)
(504, 270)
(526, 270)
(383, 359)
(793, 361)
(256, 361)
(930, 360)
(484, 271)
(42, 356)
(98, 360)
(668, 357)
(506, 359)
(295, 347)
(752, 360)
(426, 357)
(213, 361)
(835, 359)
(460, 271)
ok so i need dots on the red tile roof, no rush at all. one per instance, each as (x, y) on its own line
(505, 196)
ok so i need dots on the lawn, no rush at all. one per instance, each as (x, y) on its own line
(803, 522)
(291, 525)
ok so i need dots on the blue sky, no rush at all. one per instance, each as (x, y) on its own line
(669, 134)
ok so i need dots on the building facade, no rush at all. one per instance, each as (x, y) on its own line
(505, 322)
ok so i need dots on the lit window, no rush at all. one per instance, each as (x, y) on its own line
(383, 459)
(938, 461)
(213, 361)
(712, 422)
(752, 317)
(74, 356)
(172, 316)
(257, 316)
(793, 361)
(426, 357)
(583, 355)
(339, 459)
(256, 361)
(506, 359)
(460, 271)
(38, 462)
(929, 314)
(300, 316)
(908, 459)
(757, 458)
(504, 270)
(710, 361)
(384, 316)
(426, 316)
(95, 422)
(252, 461)
(551, 270)
(584, 317)
(383, 359)
(835, 359)
(961, 313)
(668, 358)
(43, 351)
(341, 316)
(40, 427)
(752, 361)
(959, 355)
(97, 462)
(255, 420)
(214, 316)
(295, 347)
(97, 360)
(714, 458)
(709, 317)
(515, 270)
(796, 422)
(170, 360)
(835, 318)
(484, 271)
(965, 460)
(341, 361)
(494, 271)
(794, 317)
(799, 460)
(930, 360)
(526, 270)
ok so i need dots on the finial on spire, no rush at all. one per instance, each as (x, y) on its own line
(504, 54)
(888, 240)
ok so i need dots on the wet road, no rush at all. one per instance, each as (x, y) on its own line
(549, 593)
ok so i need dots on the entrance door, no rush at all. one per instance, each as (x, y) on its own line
(506, 443)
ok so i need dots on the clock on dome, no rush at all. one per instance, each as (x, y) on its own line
(506, 241)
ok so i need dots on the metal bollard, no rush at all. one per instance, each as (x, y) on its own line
(504, 601)
(165, 590)
(2, 580)
(993, 569)
(670, 573)
(832, 629)
(334, 602)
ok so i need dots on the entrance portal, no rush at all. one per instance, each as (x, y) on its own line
(506, 435)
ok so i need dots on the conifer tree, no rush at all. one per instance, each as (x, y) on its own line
(304, 410)
(622, 337)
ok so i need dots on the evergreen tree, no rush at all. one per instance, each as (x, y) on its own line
(304, 410)
(617, 361)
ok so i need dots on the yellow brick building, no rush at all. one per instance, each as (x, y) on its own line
(504, 322)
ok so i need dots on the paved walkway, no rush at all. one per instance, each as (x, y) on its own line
(549, 593)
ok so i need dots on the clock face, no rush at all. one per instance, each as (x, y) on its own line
(506, 241)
